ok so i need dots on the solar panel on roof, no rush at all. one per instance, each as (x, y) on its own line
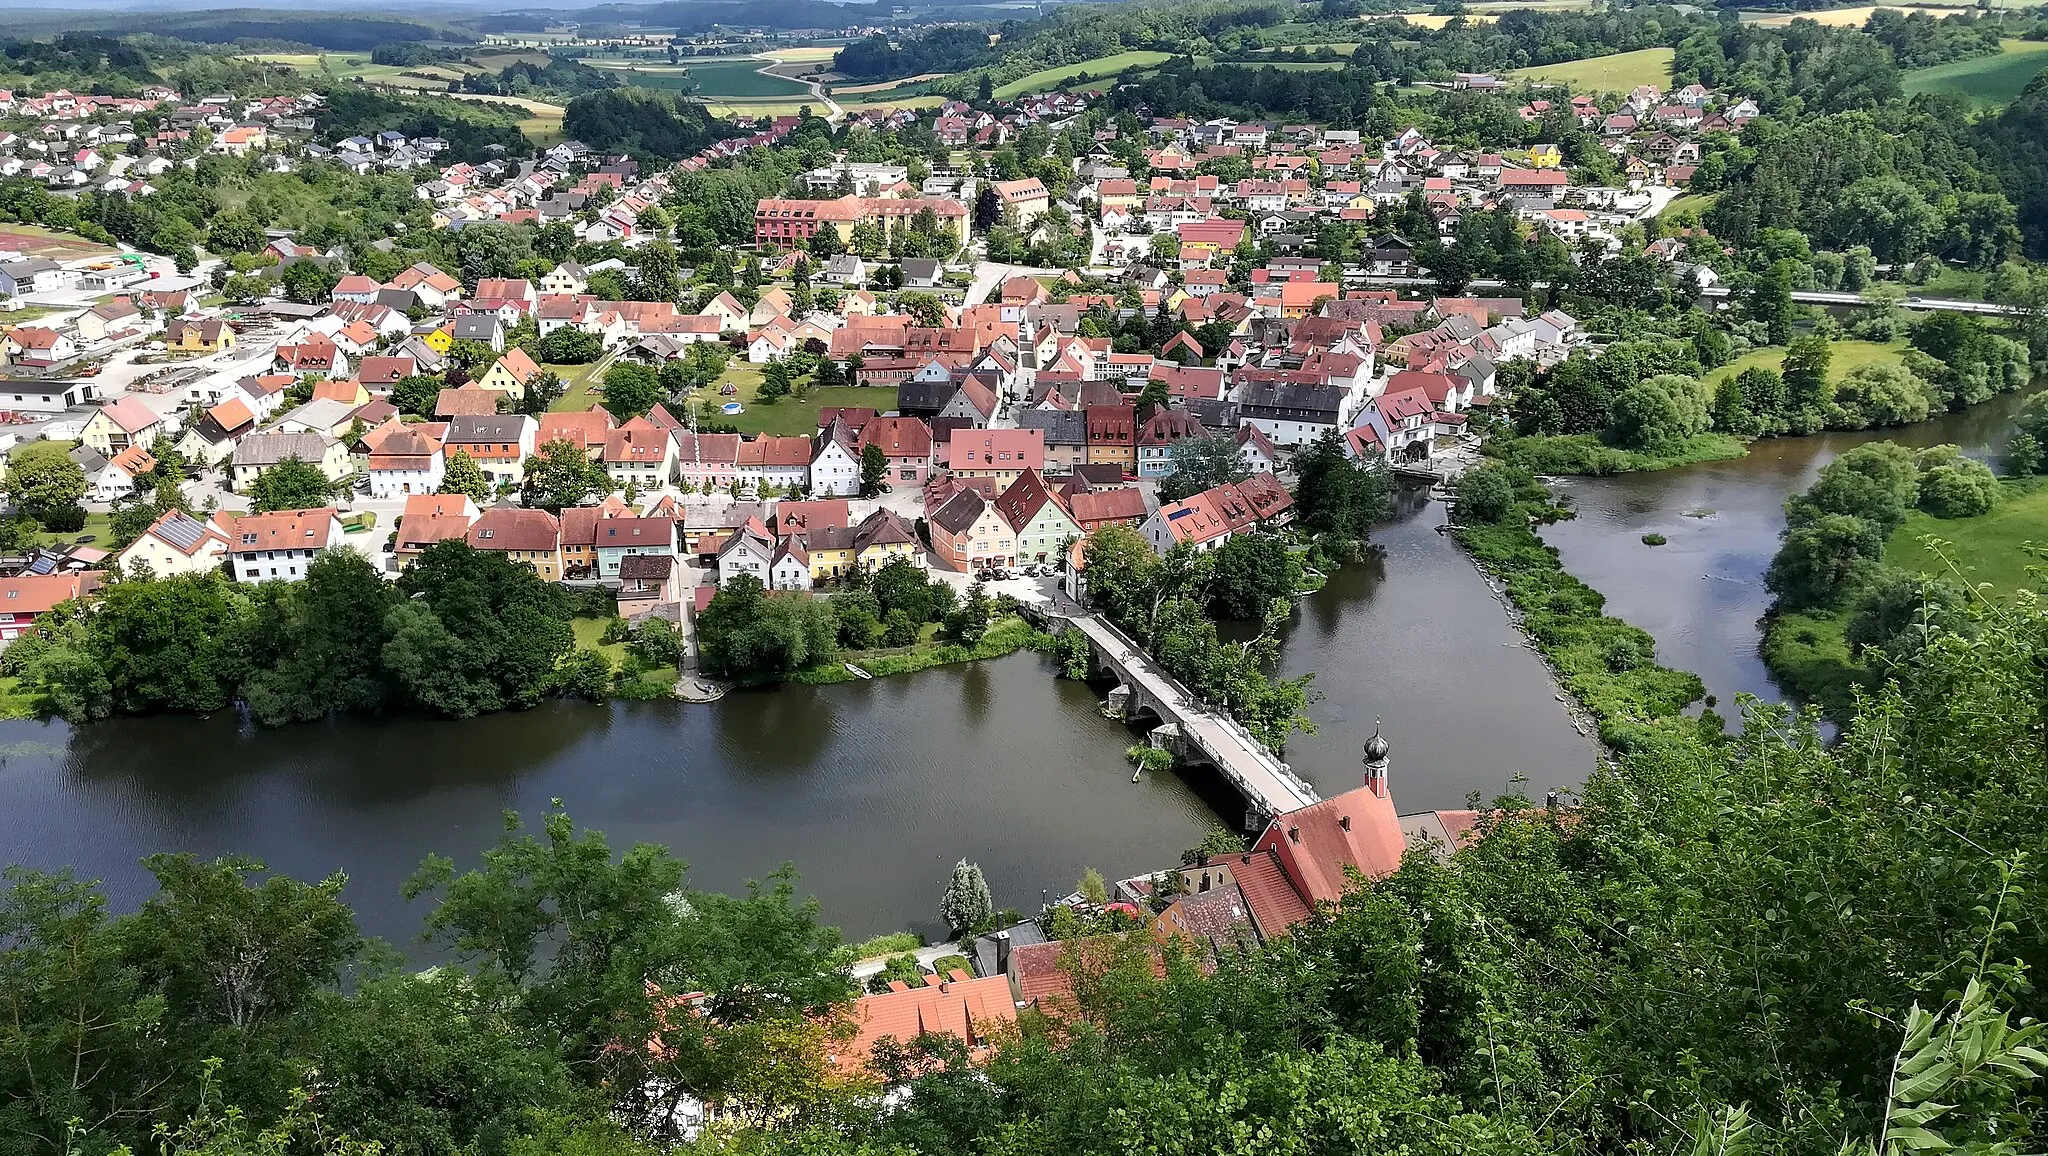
(182, 532)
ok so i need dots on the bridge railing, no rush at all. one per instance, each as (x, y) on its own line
(1237, 730)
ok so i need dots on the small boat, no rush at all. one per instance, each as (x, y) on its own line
(856, 671)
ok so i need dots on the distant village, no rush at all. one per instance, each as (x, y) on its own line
(1008, 434)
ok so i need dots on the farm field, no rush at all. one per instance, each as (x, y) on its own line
(1986, 80)
(357, 66)
(1619, 72)
(36, 241)
(1051, 78)
(1432, 20)
(886, 85)
(1846, 358)
(1857, 17)
(736, 78)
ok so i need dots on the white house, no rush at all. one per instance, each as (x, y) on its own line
(278, 546)
(835, 467)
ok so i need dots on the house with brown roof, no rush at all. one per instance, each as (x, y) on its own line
(774, 462)
(639, 453)
(405, 459)
(1112, 436)
(1039, 521)
(905, 441)
(973, 1011)
(529, 537)
(970, 533)
(1094, 509)
(1001, 454)
(278, 546)
(467, 400)
(707, 462)
(431, 518)
(1164, 429)
(588, 428)
(511, 374)
(620, 537)
(27, 595)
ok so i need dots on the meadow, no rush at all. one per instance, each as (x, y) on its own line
(1988, 81)
(1101, 66)
(733, 78)
(1846, 357)
(1620, 72)
(1997, 547)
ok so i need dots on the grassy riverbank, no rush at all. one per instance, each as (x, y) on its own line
(1605, 663)
(1808, 652)
(1587, 454)
(1006, 635)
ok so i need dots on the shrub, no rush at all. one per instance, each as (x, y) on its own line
(68, 519)
(1654, 539)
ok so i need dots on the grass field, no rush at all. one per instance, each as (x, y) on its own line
(36, 241)
(1100, 66)
(1434, 21)
(791, 415)
(357, 66)
(1619, 72)
(1691, 204)
(1987, 80)
(1848, 357)
(1857, 17)
(1991, 549)
(737, 78)
(580, 387)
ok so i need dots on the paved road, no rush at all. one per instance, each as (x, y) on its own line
(1266, 782)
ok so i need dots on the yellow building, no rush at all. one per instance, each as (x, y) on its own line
(208, 336)
(1545, 156)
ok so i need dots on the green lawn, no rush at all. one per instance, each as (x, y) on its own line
(1619, 72)
(1988, 81)
(99, 527)
(580, 392)
(1849, 356)
(1689, 205)
(1101, 66)
(1987, 549)
(1955, 284)
(791, 415)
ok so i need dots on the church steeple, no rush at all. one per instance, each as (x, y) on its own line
(1376, 761)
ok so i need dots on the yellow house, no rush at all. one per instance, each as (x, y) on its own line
(510, 373)
(439, 340)
(1545, 156)
(208, 336)
(1174, 300)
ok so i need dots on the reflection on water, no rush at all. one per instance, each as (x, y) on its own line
(872, 788)
(1701, 595)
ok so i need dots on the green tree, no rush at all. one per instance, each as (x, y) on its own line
(314, 646)
(292, 484)
(1202, 463)
(464, 476)
(1486, 494)
(41, 477)
(746, 632)
(1806, 373)
(561, 474)
(474, 632)
(1334, 494)
(631, 390)
(966, 904)
(874, 468)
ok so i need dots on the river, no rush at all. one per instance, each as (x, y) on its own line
(1702, 594)
(873, 789)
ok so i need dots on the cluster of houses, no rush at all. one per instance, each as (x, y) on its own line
(1299, 861)
(84, 141)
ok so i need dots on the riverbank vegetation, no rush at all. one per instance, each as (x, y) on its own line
(461, 633)
(1606, 664)
(1169, 606)
(1649, 404)
(1828, 939)
(894, 620)
(1844, 615)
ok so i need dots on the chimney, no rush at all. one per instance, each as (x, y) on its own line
(1344, 821)
(1294, 834)
(1002, 953)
